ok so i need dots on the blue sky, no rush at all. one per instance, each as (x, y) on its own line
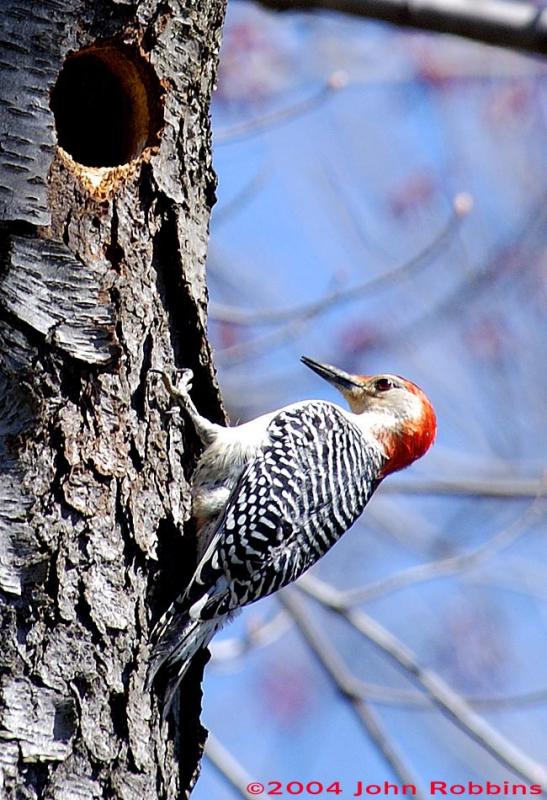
(322, 200)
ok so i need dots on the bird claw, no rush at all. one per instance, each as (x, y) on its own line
(183, 384)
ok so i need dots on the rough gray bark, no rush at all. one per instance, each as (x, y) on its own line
(506, 23)
(101, 277)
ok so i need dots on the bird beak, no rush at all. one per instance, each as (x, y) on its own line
(343, 381)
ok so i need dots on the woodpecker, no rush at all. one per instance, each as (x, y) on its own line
(271, 496)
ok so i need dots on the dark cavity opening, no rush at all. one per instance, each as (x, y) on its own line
(107, 104)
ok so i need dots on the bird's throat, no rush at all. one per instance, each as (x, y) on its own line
(404, 447)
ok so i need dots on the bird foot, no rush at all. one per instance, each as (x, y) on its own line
(182, 386)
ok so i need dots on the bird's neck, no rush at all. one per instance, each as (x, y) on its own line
(400, 443)
(405, 445)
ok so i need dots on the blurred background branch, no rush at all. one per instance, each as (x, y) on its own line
(227, 766)
(461, 206)
(505, 23)
(334, 667)
(445, 566)
(449, 701)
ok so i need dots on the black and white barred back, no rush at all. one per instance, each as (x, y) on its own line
(303, 490)
(299, 494)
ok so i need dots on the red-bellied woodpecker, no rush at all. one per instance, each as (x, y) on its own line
(273, 495)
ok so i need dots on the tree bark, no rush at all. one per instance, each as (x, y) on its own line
(505, 23)
(103, 245)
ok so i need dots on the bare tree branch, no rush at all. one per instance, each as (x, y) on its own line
(299, 316)
(416, 701)
(476, 282)
(258, 635)
(235, 353)
(236, 133)
(242, 198)
(228, 767)
(506, 23)
(345, 684)
(449, 701)
(525, 242)
(502, 488)
(444, 566)
(462, 205)
(534, 589)
(264, 634)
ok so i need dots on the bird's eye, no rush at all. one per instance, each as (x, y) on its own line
(383, 385)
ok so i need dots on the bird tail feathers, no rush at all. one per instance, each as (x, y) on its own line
(178, 638)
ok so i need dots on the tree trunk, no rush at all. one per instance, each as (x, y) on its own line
(103, 242)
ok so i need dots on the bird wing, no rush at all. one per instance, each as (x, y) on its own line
(304, 488)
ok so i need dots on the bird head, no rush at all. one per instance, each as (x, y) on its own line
(394, 409)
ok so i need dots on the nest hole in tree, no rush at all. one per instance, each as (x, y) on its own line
(107, 104)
